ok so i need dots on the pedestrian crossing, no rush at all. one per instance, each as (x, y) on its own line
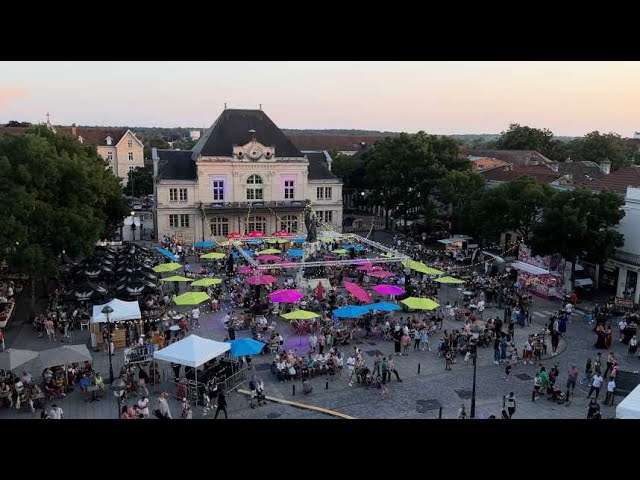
(547, 313)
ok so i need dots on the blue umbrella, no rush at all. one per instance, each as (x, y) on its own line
(383, 306)
(255, 242)
(357, 248)
(299, 240)
(350, 311)
(248, 252)
(167, 254)
(205, 244)
(295, 253)
(245, 346)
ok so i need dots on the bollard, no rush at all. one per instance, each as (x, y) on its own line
(418, 369)
(567, 400)
(440, 413)
(293, 387)
(326, 384)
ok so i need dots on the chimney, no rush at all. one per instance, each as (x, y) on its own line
(156, 159)
(328, 158)
(74, 130)
(605, 167)
(252, 133)
(554, 166)
(363, 145)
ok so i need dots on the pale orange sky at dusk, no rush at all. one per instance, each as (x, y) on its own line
(570, 98)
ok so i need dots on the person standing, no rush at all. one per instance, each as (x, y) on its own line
(510, 402)
(262, 399)
(222, 404)
(162, 410)
(462, 414)
(351, 366)
(187, 413)
(588, 371)
(633, 345)
(611, 388)
(596, 384)
(56, 412)
(2, 339)
(593, 413)
(572, 377)
(392, 369)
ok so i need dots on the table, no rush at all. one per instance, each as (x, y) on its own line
(174, 328)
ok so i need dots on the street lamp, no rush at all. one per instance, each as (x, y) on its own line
(118, 386)
(133, 225)
(473, 389)
(107, 310)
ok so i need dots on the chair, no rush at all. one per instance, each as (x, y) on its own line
(84, 323)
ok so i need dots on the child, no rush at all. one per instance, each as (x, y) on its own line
(507, 371)
(467, 357)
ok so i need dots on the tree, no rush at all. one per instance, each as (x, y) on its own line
(512, 206)
(153, 142)
(460, 190)
(519, 137)
(401, 171)
(14, 123)
(140, 182)
(598, 147)
(578, 223)
(56, 195)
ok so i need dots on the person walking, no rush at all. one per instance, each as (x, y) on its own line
(510, 402)
(611, 388)
(424, 339)
(2, 339)
(187, 413)
(462, 414)
(162, 410)
(588, 371)
(351, 366)
(392, 369)
(222, 404)
(572, 377)
(633, 345)
(262, 399)
(56, 412)
(596, 384)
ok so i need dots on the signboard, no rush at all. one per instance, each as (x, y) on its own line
(138, 354)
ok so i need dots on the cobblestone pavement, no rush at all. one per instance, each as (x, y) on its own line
(420, 395)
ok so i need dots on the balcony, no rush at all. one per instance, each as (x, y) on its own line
(257, 205)
(625, 257)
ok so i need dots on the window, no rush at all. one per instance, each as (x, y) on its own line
(327, 193)
(173, 221)
(131, 156)
(110, 167)
(184, 220)
(328, 216)
(219, 226)
(320, 194)
(183, 194)
(130, 144)
(131, 168)
(257, 223)
(173, 194)
(254, 188)
(289, 223)
(218, 190)
(320, 215)
(288, 189)
(109, 156)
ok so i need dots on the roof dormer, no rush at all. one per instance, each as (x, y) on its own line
(109, 140)
(80, 139)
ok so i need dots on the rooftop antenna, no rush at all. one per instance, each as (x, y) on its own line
(225, 105)
(260, 106)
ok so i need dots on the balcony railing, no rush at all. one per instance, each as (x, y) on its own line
(630, 258)
(257, 204)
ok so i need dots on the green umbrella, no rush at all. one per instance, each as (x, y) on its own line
(269, 251)
(299, 315)
(205, 282)
(341, 251)
(166, 267)
(422, 268)
(449, 280)
(192, 298)
(213, 255)
(176, 278)
(417, 303)
(279, 240)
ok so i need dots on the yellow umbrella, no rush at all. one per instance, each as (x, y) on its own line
(226, 243)
(417, 303)
(192, 298)
(176, 278)
(449, 280)
(213, 255)
(299, 315)
(205, 282)
(422, 268)
(341, 251)
(166, 267)
(269, 251)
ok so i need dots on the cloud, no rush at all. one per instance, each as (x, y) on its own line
(8, 93)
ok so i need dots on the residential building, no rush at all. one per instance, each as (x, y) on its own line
(515, 157)
(194, 134)
(244, 174)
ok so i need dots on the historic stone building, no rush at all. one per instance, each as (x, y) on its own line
(244, 174)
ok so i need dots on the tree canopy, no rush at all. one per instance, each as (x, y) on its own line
(461, 189)
(56, 195)
(598, 147)
(140, 182)
(522, 137)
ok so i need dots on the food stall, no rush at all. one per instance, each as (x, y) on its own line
(538, 281)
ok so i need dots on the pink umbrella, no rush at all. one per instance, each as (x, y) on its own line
(267, 257)
(286, 296)
(382, 274)
(261, 280)
(388, 290)
(358, 292)
(245, 269)
(255, 234)
(365, 268)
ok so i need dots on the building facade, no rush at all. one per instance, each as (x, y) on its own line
(243, 175)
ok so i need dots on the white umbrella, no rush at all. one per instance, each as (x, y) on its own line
(12, 358)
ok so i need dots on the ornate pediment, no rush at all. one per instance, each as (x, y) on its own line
(254, 151)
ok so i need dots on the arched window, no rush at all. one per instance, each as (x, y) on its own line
(289, 223)
(219, 226)
(257, 223)
(254, 187)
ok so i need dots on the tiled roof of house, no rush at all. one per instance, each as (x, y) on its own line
(176, 165)
(516, 157)
(509, 173)
(478, 164)
(96, 136)
(330, 142)
(581, 173)
(232, 128)
(619, 180)
(12, 130)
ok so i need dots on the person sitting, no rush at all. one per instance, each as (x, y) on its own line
(85, 383)
(27, 378)
(87, 367)
(100, 384)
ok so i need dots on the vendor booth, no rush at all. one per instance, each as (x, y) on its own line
(122, 311)
(538, 281)
(459, 242)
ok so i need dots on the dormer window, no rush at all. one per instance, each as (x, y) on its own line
(130, 143)
(109, 141)
(81, 140)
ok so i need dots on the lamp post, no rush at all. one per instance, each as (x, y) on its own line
(473, 389)
(107, 310)
(133, 225)
(118, 386)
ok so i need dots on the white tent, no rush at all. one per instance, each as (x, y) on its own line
(192, 351)
(121, 311)
(629, 408)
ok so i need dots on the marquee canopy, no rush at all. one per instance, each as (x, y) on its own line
(532, 269)
(192, 351)
(121, 311)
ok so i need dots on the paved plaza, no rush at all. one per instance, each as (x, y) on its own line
(422, 394)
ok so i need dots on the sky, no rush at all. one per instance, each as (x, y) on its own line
(569, 98)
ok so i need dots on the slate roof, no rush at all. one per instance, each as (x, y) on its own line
(176, 165)
(232, 128)
(338, 142)
(619, 180)
(517, 157)
(318, 169)
(581, 172)
(541, 173)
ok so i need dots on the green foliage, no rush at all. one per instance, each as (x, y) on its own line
(519, 137)
(140, 182)
(461, 189)
(56, 195)
(579, 223)
(14, 123)
(349, 169)
(598, 147)
(512, 206)
(153, 142)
